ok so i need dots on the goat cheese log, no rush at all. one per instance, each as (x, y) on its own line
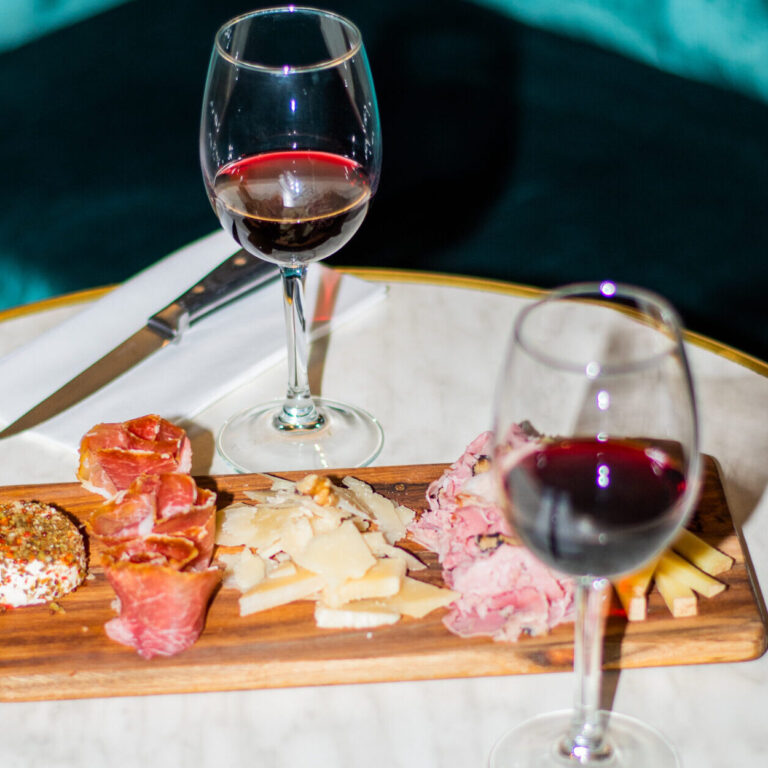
(505, 591)
(42, 554)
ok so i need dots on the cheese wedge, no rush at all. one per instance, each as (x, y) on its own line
(338, 555)
(273, 592)
(380, 547)
(417, 598)
(243, 569)
(358, 615)
(381, 508)
(382, 579)
(281, 570)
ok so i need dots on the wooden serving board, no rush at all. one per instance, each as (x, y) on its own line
(46, 654)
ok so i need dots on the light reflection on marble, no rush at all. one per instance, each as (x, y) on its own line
(425, 363)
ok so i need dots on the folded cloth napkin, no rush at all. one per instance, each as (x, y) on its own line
(214, 356)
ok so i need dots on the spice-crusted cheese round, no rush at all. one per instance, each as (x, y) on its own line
(42, 554)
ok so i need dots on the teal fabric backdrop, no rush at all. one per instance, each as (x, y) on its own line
(510, 151)
(724, 42)
(27, 20)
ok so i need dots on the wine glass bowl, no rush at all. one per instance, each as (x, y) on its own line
(290, 149)
(598, 373)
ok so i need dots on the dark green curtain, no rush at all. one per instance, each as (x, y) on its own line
(510, 153)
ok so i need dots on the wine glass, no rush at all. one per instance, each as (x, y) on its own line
(597, 373)
(290, 148)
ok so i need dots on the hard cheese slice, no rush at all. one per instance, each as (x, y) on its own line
(338, 555)
(382, 579)
(273, 592)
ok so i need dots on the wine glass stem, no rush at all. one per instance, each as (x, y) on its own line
(298, 411)
(585, 742)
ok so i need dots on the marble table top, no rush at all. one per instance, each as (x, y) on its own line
(424, 361)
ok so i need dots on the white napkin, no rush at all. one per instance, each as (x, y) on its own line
(217, 354)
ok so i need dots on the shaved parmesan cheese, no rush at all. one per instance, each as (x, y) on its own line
(417, 598)
(258, 527)
(332, 544)
(243, 569)
(273, 592)
(381, 548)
(337, 555)
(235, 524)
(296, 535)
(406, 514)
(381, 508)
(286, 568)
(381, 580)
(360, 615)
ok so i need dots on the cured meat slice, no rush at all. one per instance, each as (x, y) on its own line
(162, 610)
(173, 551)
(127, 516)
(157, 531)
(113, 455)
(169, 505)
(505, 591)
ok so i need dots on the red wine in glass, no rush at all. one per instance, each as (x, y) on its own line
(600, 371)
(590, 506)
(290, 149)
(292, 207)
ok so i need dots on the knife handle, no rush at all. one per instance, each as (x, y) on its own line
(234, 277)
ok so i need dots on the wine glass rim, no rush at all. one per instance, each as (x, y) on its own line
(353, 49)
(603, 292)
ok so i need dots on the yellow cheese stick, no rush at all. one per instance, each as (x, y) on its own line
(671, 564)
(632, 590)
(679, 598)
(701, 554)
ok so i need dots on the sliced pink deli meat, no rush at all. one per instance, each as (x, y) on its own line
(505, 591)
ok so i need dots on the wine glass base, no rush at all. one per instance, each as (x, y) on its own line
(349, 437)
(536, 742)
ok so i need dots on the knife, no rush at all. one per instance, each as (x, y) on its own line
(233, 278)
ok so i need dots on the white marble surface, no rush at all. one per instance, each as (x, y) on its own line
(424, 362)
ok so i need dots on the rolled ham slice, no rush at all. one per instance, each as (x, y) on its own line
(112, 456)
(169, 504)
(156, 529)
(162, 610)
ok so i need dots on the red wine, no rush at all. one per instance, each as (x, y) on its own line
(292, 207)
(596, 508)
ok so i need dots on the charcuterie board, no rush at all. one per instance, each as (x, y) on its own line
(65, 653)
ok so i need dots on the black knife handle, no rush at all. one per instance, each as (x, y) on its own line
(238, 275)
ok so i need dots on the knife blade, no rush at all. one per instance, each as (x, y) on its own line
(232, 279)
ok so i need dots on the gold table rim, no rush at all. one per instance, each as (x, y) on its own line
(388, 275)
